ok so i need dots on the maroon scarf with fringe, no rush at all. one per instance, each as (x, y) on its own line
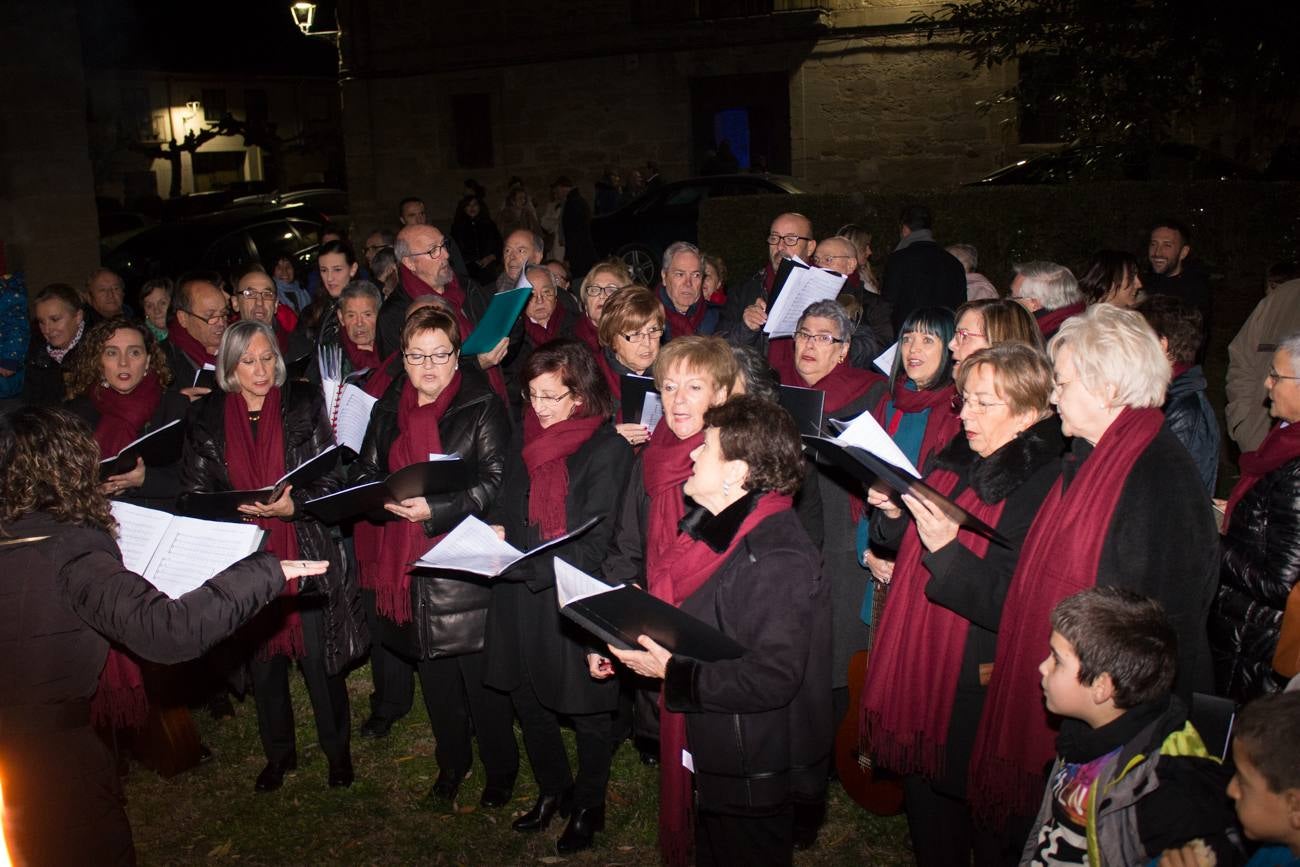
(123, 416)
(546, 454)
(665, 465)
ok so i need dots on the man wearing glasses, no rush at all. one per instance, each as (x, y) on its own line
(790, 235)
(256, 298)
(202, 313)
(920, 273)
(874, 330)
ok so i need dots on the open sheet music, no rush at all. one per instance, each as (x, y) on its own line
(474, 547)
(884, 362)
(347, 405)
(178, 554)
(224, 505)
(804, 286)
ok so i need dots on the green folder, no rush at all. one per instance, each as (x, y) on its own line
(497, 320)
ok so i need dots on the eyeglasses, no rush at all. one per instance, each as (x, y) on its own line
(788, 240)
(212, 319)
(545, 399)
(433, 252)
(256, 295)
(639, 336)
(543, 296)
(818, 340)
(417, 359)
(1277, 377)
(964, 334)
(823, 261)
(595, 290)
(979, 407)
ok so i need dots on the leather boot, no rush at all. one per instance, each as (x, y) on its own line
(581, 830)
(543, 811)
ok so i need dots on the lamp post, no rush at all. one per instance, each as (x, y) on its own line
(304, 16)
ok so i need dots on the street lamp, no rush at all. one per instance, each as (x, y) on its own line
(304, 15)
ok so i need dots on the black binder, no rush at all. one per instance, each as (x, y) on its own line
(632, 392)
(159, 448)
(224, 505)
(368, 500)
(806, 405)
(620, 615)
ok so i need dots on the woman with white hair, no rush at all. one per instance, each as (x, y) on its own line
(1129, 511)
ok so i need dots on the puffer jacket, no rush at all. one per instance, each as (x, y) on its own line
(306, 434)
(448, 615)
(1258, 565)
(1189, 416)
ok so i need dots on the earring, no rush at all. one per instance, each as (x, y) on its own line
(726, 488)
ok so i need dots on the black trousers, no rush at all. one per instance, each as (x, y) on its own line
(943, 833)
(393, 676)
(546, 751)
(723, 840)
(328, 693)
(456, 699)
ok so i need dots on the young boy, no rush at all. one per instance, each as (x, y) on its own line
(1132, 776)
(1266, 787)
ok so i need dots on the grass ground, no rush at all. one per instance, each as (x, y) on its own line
(212, 815)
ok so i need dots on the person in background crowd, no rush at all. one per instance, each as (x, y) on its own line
(478, 238)
(246, 439)
(746, 311)
(920, 273)
(62, 322)
(715, 280)
(290, 292)
(575, 225)
(518, 213)
(991, 322)
(978, 287)
(15, 338)
(631, 328)
(256, 298)
(681, 292)
(1049, 291)
(1129, 511)
(609, 192)
(67, 596)
(411, 212)
(635, 185)
(521, 248)
(435, 619)
(757, 727)
(1251, 352)
(1111, 278)
(938, 630)
(860, 238)
(602, 281)
(1173, 269)
(560, 274)
(383, 268)
(754, 375)
(566, 466)
(156, 301)
(329, 234)
(317, 326)
(874, 330)
(105, 296)
(202, 314)
(375, 241)
(1260, 558)
(1188, 414)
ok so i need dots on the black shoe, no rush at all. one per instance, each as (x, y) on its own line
(543, 811)
(272, 776)
(376, 726)
(447, 785)
(581, 830)
(341, 773)
(497, 792)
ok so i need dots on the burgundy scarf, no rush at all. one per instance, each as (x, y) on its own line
(917, 654)
(403, 541)
(607, 370)
(123, 416)
(193, 350)
(665, 465)
(540, 334)
(940, 426)
(258, 462)
(546, 453)
(1281, 446)
(689, 564)
(1050, 320)
(454, 295)
(360, 359)
(367, 538)
(588, 333)
(769, 279)
(682, 324)
(780, 355)
(119, 701)
(1060, 556)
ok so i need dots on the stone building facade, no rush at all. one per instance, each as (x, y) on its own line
(837, 93)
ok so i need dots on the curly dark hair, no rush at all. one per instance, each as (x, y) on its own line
(87, 370)
(49, 462)
(764, 436)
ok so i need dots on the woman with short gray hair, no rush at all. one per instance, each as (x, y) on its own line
(246, 438)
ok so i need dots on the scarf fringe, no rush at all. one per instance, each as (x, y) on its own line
(120, 701)
(903, 753)
(1008, 792)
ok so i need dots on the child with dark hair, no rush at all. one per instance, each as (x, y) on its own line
(1132, 776)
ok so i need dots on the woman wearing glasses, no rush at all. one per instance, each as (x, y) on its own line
(631, 328)
(442, 407)
(990, 322)
(566, 466)
(602, 281)
(925, 685)
(246, 439)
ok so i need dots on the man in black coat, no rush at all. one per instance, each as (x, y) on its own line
(745, 313)
(920, 273)
(575, 221)
(1174, 272)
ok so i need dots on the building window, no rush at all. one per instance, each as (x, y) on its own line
(255, 107)
(214, 103)
(471, 117)
(137, 118)
(1042, 118)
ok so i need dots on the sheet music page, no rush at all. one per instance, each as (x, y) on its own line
(192, 551)
(454, 456)
(866, 433)
(652, 410)
(885, 361)
(805, 286)
(353, 417)
(472, 546)
(572, 584)
(139, 530)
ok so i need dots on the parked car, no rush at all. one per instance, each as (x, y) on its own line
(331, 202)
(639, 231)
(1116, 162)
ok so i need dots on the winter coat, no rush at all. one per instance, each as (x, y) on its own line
(448, 613)
(525, 629)
(1189, 416)
(922, 274)
(306, 434)
(44, 384)
(1259, 564)
(392, 316)
(1250, 354)
(161, 484)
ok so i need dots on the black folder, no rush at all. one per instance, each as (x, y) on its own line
(863, 465)
(204, 378)
(368, 500)
(621, 614)
(159, 448)
(806, 405)
(632, 392)
(224, 505)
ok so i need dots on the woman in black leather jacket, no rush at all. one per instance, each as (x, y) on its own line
(322, 626)
(440, 407)
(1260, 551)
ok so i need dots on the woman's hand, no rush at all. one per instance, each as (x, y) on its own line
(115, 485)
(881, 569)
(634, 433)
(651, 662)
(934, 527)
(500, 531)
(600, 667)
(282, 507)
(302, 568)
(493, 358)
(880, 496)
(755, 315)
(414, 509)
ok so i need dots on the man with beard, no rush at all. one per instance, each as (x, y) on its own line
(1174, 272)
(743, 317)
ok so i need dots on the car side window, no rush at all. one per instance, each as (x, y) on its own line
(272, 238)
(687, 195)
(228, 251)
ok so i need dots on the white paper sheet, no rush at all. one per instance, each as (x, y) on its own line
(885, 361)
(572, 584)
(866, 433)
(804, 286)
(474, 546)
(139, 440)
(179, 554)
(353, 417)
(652, 410)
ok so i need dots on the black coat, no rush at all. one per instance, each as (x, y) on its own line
(43, 384)
(922, 274)
(306, 434)
(448, 613)
(1019, 475)
(392, 316)
(1259, 565)
(759, 727)
(1189, 416)
(161, 484)
(525, 629)
(575, 221)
